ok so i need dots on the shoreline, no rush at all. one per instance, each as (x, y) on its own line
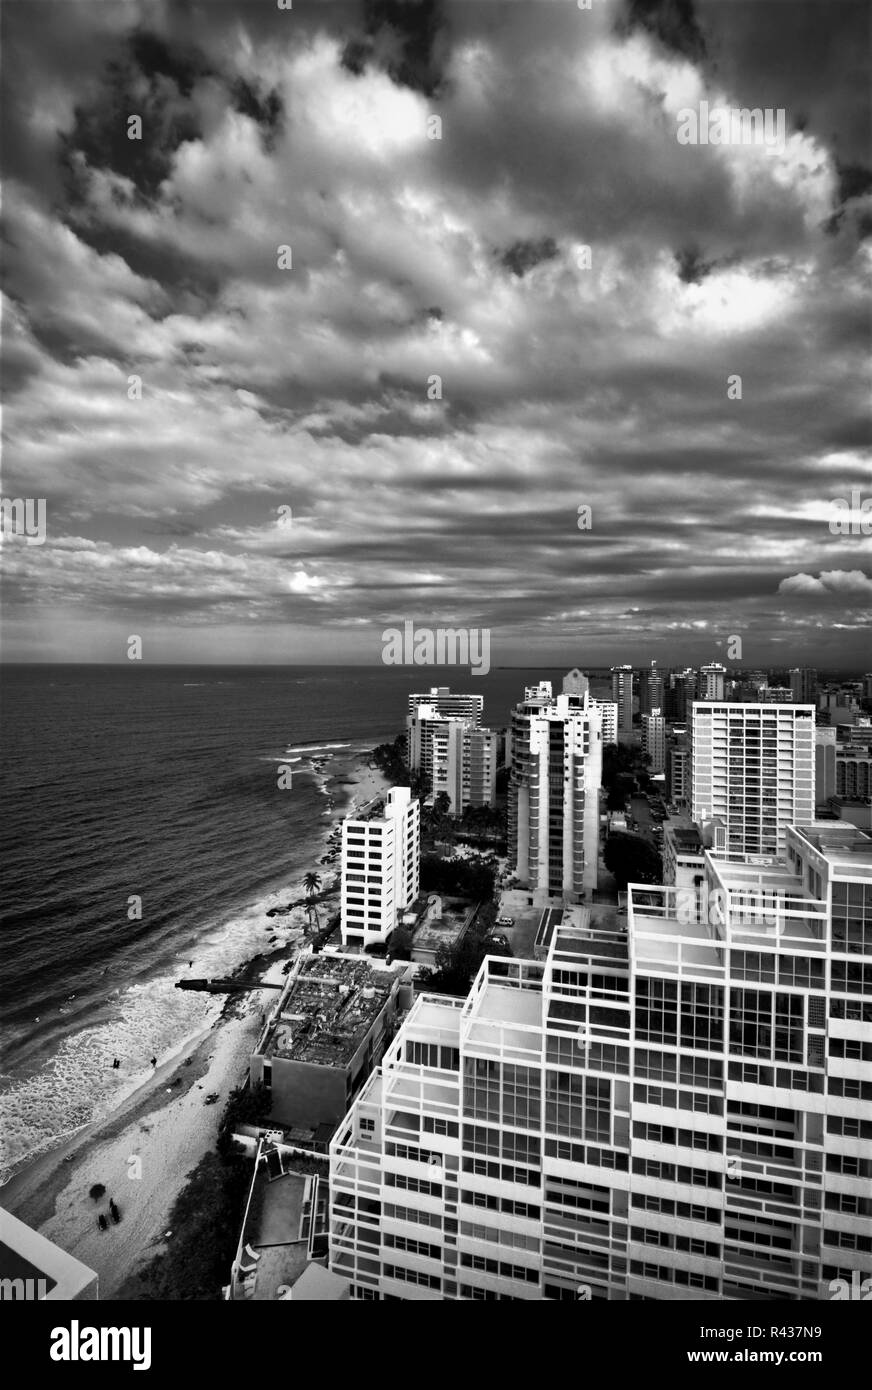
(143, 1151)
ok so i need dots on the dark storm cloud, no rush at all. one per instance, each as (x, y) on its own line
(147, 80)
(673, 22)
(404, 38)
(524, 255)
(290, 472)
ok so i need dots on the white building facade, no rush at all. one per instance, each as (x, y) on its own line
(681, 1111)
(451, 704)
(457, 756)
(753, 766)
(554, 787)
(381, 860)
(622, 696)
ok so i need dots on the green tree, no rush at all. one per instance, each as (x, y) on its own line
(631, 860)
(311, 883)
(400, 944)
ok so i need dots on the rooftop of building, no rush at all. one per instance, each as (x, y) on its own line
(444, 922)
(660, 943)
(739, 873)
(599, 948)
(684, 834)
(330, 1007)
(836, 839)
(25, 1254)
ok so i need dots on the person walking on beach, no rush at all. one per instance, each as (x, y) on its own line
(113, 1211)
(116, 1064)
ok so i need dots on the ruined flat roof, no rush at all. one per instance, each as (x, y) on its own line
(331, 1006)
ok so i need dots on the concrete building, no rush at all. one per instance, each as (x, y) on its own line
(328, 1030)
(449, 703)
(575, 682)
(803, 685)
(711, 681)
(609, 714)
(679, 694)
(464, 764)
(837, 706)
(856, 810)
(853, 772)
(622, 696)
(683, 854)
(678, 773)
(577, 686)
(824, 765)
(457, 756)
(654, 740)
(650, 689)
(554, 786)
(857, 733)
(675, 1112)
(777, 695)
(753, 767)
(33, 1269)
(381, 860)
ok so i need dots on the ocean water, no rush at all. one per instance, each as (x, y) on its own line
(160, 783)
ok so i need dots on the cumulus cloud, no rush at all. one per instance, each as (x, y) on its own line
(846, 582)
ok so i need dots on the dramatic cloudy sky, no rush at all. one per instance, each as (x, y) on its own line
(306, 388)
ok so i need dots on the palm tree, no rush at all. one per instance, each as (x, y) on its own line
(311, 883)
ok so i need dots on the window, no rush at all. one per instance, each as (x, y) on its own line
(657, 1011)
(414, 1247)
(413, 1276)
(578, 1106)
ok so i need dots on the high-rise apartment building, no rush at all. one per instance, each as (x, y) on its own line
(609, 714)
(753, 767)
(654, 740)
(777, 695)
(824, 765)
(554, 793)
(464, 764)
(678, 696)
(381, 860)
(678, 1111)
(803, 685)
(622, 695)
(577, 686)
(853, 772)
(678, 773)
(451, 704)
(456, 755)
(650, 689)
(711, 681)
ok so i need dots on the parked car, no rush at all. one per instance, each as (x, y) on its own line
(505, 921)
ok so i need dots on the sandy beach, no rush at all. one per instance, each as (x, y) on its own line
(142, 1153)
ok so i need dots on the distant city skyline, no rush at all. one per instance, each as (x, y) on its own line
(424, 313)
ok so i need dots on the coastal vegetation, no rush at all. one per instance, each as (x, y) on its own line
(392, 761)
(312, 883)
(206, 1216)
